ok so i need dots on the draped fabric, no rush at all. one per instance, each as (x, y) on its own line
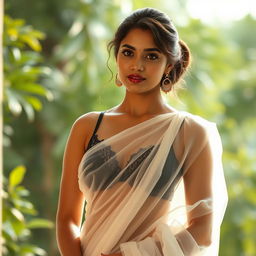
(134, 190)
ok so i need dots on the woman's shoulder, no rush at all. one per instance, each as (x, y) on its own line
(197, 125)
(86, 121)
(198, 132)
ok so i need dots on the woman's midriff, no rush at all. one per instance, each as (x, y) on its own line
(107, 201)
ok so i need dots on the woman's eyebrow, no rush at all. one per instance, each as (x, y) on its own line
(146, 50)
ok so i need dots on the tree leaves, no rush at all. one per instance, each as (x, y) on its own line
(21, 68)
(16, 224)
(16, 176)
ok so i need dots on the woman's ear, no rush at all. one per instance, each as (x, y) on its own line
(168, 68)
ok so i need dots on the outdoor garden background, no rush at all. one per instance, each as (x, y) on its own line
(55, 70)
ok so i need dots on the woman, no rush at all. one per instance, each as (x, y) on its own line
(149, 174)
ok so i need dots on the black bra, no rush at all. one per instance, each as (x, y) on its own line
(170, 166)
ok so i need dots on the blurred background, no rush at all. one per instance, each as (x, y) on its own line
(55, 67)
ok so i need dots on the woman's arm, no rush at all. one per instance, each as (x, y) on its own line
(198, 184)
(204, 181)
(71, 199)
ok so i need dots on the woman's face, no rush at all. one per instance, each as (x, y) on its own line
(140, 62)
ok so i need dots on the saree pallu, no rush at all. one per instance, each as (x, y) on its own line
(134, 192)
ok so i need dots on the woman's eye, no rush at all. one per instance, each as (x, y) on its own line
(152, 56)
(127, 53)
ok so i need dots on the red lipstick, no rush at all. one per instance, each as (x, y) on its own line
(135, 78)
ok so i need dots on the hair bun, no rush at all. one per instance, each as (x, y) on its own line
(185, 54)
(182, 64)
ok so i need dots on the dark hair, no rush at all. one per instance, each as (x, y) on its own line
(164, 34)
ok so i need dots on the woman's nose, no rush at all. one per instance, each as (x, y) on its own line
(137, 65)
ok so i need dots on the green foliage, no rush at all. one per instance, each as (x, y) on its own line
(81, 81)
(18, 217)
(22, 68)
(205, 81)
(220, 86)
(240, 140)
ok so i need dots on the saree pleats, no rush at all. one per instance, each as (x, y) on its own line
(133, 186)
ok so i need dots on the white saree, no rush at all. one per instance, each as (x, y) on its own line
(133, 186)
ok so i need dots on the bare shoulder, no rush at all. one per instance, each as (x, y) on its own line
(83, 127)
(86, 121)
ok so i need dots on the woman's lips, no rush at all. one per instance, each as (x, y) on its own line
(134, 78)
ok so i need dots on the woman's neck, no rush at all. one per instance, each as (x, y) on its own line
(138, 105)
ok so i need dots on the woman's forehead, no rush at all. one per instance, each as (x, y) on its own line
(139, 39)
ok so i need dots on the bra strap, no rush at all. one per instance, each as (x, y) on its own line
(95, 129)
(98, 122)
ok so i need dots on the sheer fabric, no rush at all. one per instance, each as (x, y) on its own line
(133, 186)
